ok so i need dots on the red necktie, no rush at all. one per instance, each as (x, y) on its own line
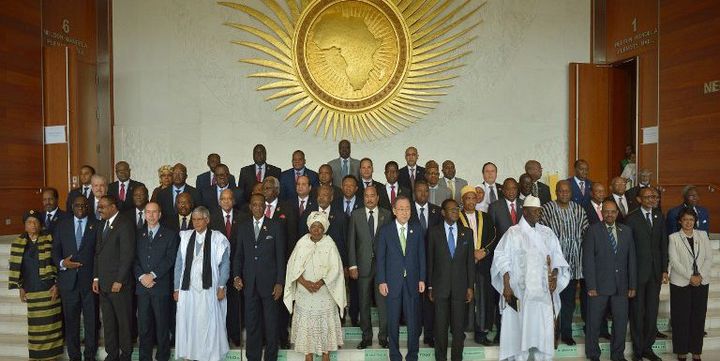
(267, 211)
(228, 226)
(122, 192)
(212, 181)
(302, 206)
(599, 213)
(392, 194)
(258, 175)
(513, 214)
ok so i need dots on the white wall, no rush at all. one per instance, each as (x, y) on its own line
(181, 94)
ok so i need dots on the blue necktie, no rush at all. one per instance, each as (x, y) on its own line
(348, 210)
(177, 192)
(345, 167)
(613, 241)
(451, 242)
(423, 222)
(78, 234)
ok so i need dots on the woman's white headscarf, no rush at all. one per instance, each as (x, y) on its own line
(318, 217)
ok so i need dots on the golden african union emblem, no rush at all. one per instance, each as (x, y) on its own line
(363, 68)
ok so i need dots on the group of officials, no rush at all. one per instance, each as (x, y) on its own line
(198, 264)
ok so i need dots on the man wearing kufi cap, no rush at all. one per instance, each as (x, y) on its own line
(529, 270)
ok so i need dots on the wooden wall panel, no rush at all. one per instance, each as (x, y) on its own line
(631, 28)
(21, 172)
(690, 118)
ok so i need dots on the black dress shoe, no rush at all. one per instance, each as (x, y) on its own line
(569, 341)
(364, 344)
(619, 359)
(636, 358)
(661, 335)
(496, 340)
(355, 323)
(606, 336)
(284, 345)
(483, 341)
(594, 358)
(384, 344)
(651, 356)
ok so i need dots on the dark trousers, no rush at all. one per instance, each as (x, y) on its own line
(427, 315)
(354, 308)
(643, 316)
(367, 288)
(74, 303)
(596, 315)
(688, 307)
(261, 313)
(116, 317)
(567, 309)
(486, 304)
(233, 321)
(154, 324)
(453, 313)
(405, 304)
(283, 332)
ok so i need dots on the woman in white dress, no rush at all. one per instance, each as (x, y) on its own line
(315, 291)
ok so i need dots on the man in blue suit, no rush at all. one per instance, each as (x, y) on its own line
(52, 213)
(690, 197)
(401, 276)
(73, 253)
(208, 178)
(154, 263)
(581, 185)
(290, 176)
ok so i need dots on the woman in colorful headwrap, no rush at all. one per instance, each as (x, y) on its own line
(165, 175)
(33, 273)
(315, 282)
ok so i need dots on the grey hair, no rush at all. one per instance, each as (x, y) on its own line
(687, 189)
(645, 172)
(98, 177)
(201, 211)
(272, 180)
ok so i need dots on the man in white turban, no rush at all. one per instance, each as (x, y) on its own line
(315, 283)
(529, 270)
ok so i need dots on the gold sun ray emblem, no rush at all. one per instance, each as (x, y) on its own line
(364, 68)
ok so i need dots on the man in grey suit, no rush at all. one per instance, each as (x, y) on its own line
(438, 190)
(344, 165)
(609, 267)
(362, 235)
(454, 184)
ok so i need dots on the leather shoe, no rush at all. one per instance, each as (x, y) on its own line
(620, 359)
(606, 336)
(384, 344)
(661, 335)
(364, 344)
(496, 340)
(284, 345)
(636, 358)
(483, 341)
(569, 341)
(651, 356)
(594, 358)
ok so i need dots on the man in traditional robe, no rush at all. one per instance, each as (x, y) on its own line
(202, 269)
(529, 270)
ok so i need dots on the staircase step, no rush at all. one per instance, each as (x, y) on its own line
(13, 325)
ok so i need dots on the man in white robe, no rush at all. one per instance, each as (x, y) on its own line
(202, 269)
(529, 270)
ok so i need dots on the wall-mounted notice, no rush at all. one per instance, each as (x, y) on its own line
(55, 134)
(650, 135)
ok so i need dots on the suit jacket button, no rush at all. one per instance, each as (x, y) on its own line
(256, 258)
(616, 271)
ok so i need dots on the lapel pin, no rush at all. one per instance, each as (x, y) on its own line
(91, 227)
(462, 234)
(411, 231)
(264, 228)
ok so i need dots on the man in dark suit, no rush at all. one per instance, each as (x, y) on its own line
(255, 173)
(609, 268)
(539, 189)
(506, 211)
(154, 263)
(581, 185)
(325, 178)
(362, 242)
(122, 189)
(344, 165)
(651, 248)
(392, 188)
(137, 212)
(289, 177)
(643, 182)
(259, 271)
(348, 202)
(617, 194)
(73, 253)
(85, 188)
(52, 213)
(594, 207)
(209, 178)
(114, 258)
(525, 186)
(303, 201)
(427, 215)
(338, 221)
(168, 196)
(401, 276)
(285, 214)
(690, 200)
(366, 178)
(411, 171)
(451, 279)
(181, 219)
(226, 219)
(211, 194)
(484, 238)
